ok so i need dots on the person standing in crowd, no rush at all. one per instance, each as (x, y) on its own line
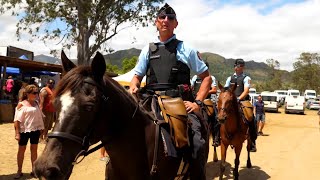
(169, 61)
(259, 113)
(195, 84)
(28, 124)
(46, 105)
(9, 85)
(243, 83)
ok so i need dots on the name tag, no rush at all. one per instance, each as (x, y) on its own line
(155, 57)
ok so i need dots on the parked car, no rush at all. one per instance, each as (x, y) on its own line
(313, 104)
(310, 94)
(294, 104)
(270, 101)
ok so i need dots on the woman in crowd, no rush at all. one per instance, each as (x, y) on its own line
(28, 124)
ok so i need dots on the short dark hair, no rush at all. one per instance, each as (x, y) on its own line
(239, 62)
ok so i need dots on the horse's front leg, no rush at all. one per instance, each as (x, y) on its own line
(237, 150)
(215, 156)
(223, 148)
(249, 165)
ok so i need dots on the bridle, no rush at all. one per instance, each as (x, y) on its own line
(83, 141)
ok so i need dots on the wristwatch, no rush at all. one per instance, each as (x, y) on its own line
(198, 102)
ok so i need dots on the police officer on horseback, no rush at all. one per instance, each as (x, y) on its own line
(195, 84)
(167, 64)
(243, 82)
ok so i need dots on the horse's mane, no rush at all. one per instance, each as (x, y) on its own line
(75, 77)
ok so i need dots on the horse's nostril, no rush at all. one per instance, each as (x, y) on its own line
(53, 173)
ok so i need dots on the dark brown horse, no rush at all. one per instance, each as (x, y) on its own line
(234, 130)
(92, 107)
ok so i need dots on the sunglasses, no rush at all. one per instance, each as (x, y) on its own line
(34, 93)
(239, 65)
(171, 17)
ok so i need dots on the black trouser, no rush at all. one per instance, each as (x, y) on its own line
(198, 161)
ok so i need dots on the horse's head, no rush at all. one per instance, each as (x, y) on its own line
(226, 102)
(79, 99)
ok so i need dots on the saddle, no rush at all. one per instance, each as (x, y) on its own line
(175, 114)
(247, 110)
(209, 107)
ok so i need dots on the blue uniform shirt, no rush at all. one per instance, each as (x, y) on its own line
(185, 54)
(246, 81)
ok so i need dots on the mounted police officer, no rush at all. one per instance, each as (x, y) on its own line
(167, 64)
(243, 82)
(195, 84)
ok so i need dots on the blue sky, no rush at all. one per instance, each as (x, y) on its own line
(252, 30)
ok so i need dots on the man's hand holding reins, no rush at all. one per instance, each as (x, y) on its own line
(191, 107)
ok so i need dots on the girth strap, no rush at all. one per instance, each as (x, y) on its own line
(154, 167)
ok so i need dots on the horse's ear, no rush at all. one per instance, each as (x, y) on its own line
(66, 63)
(98, 66)
(221, 87)
(233, 87)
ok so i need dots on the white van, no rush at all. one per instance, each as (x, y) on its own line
(253, 98)
(294, 104)
(270, 100)
(252, 91)
(293, 92)
(281, 96)
(310, 94)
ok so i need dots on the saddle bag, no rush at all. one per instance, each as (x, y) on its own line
(209, 106)
(247, 110)
(174, 113)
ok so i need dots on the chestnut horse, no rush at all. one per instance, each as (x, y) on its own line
(234, 129)
(92, 107)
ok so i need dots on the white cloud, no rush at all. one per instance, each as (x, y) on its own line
(233, 31)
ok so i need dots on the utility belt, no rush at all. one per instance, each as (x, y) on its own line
(167, 89)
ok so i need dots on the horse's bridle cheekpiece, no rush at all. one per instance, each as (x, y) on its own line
(85, 141)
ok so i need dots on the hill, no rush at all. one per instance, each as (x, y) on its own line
(47, 59)
(117, 57)
(220, 66)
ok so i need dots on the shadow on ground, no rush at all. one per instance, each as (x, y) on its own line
(11, 176)
(253, 173)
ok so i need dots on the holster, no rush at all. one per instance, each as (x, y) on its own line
(174, 113)
(247, 110)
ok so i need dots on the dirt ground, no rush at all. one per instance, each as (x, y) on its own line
(288, 150)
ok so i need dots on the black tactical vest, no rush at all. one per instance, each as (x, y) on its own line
(197, 85)
(164, 67)
(240, 85)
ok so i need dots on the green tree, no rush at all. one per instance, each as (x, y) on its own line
(306, 72)
(112, 68)
(81, 20)
(128, 64)
(274, 77)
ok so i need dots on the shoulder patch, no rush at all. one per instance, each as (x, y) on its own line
(249, 81)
